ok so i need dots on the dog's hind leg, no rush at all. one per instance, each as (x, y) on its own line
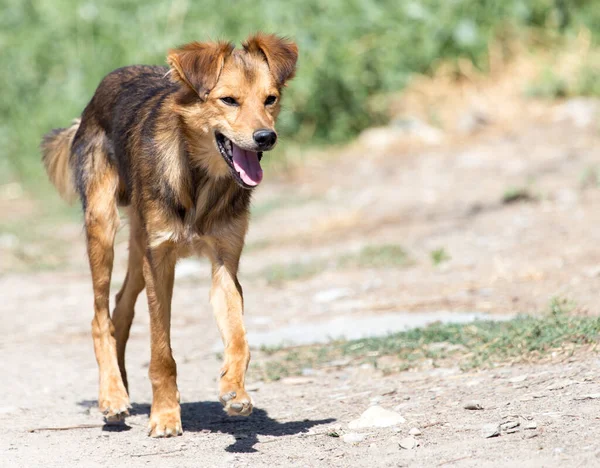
(127, 296)
(101, 222)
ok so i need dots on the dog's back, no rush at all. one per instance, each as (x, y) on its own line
(125, 105)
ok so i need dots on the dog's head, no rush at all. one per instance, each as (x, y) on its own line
(230, 100)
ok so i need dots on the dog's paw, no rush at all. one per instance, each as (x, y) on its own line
(166, 423)
(236, 402)
(114, 404)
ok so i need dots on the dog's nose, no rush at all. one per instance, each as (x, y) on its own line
(265, 139)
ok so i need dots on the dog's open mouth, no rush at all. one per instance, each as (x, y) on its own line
(244, 164)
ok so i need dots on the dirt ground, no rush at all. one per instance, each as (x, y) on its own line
(411, 186)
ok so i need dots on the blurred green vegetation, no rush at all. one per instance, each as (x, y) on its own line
(54, 53)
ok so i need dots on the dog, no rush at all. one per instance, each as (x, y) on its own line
(180, 146)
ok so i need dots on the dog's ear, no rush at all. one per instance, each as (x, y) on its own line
(199, 64)
(281, 54)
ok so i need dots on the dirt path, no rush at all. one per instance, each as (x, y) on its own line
(303, 266)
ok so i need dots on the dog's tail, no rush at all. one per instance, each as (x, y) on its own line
(56, 154)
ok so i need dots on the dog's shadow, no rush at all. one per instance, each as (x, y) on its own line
(208, 416)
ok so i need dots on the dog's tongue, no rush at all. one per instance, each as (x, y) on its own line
(247, 165)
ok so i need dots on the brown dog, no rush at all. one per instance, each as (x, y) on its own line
(181, 146)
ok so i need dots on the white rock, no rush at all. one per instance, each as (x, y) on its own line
(415, 431)
(376, 416)
(518, 378)
(409, 443)
(353, 438)
(490, 430)
(333, 294)
(529, 425)
(473, 405)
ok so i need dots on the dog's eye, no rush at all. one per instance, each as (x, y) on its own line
(229, 101)
(270, 100)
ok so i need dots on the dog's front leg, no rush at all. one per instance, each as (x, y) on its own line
(228, 305)
(159, 274)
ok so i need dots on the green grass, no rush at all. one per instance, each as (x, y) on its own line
(370, 256)
(352, 53)
(517, 194)
(376, 256)
(439, 256)
(477, 344)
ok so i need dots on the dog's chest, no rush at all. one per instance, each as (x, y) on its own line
(217, 205)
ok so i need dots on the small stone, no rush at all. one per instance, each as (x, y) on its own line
(330, 295)
(490, 430)
(519, 378)
(473, 405)
(376, 416)
(353, 438)
(415, 431)
(530, 435)
(409, 443)
(508, 425)
(530, 425)
(297, 380)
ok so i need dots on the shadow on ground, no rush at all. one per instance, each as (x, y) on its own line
(209, 417)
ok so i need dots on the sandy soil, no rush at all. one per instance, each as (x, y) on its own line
(505, 258)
